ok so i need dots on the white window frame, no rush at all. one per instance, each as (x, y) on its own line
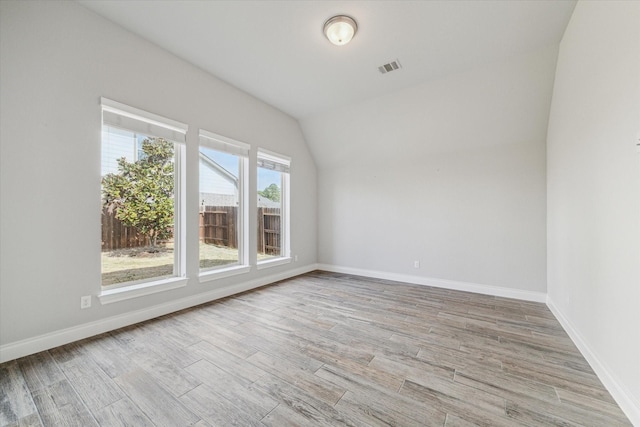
(282, 164)
(123, 116)
(240, 149)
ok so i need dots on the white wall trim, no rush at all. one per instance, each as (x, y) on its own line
(497, 291)
(620, 394)
(64, 336)
(123, 293)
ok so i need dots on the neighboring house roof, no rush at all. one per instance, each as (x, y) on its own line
(223, 172)
(210, 199)
(263, 202)
(214, 199)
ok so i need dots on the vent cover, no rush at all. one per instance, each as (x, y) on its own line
(391, 66)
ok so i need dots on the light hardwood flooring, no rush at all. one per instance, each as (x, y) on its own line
(319, 349)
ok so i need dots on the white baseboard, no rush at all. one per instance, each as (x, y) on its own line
(57, 338)
(441, 283)
(620, 394)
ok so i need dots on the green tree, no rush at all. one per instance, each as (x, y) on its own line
(272, 192)
(141, 193)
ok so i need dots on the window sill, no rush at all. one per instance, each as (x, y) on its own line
(273, 262)
(220, 273)
(134, 291)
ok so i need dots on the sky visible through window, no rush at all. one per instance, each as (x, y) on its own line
(267, 177)
(118, 143)
(125, 141)
(228, 161)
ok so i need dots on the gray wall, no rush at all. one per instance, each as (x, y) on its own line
(57, 60)
(594, 192)
(450, 173)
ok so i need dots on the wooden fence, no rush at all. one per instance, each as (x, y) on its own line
(269, 231)
(217, 226)
(115, 235)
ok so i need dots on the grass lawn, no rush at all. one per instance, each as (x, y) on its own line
(131, 264)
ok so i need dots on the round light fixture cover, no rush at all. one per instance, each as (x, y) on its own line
(340, 29)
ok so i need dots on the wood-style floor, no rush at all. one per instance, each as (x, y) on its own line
(319, 349)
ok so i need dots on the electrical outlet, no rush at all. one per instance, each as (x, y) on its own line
(416, 264)
(295, 258)
(85, 301)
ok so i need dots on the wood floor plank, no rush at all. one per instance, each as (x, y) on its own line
(123, 413)
(109, 354)
(89, 380)
(525, 415)
(587, 403)
(242, 395)
(504, 385)
(312, 410)
(412, 368)
(216, 409)
(337, 343)
(171, 332)
(228, 337)
(573, 361)
(371, 340)
(455, 421)
(212, 312)
(154, 401)
(301, 377)
(167, 345)
(59, 405)
(228, 362)
(360, 374)
(301, 315)
(568, 413)
(463, 407)
(457, 359)
(282, 348)
(558, 379)
(16, 403)
(387, 412)
(40, 371)
(426, 340)
(284, 416)
(324, 349)
(97, 390)
(174, 378)
(465, 337)
(376, 402)
(32, 420)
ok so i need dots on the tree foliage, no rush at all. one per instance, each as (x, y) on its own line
(272, 192)
(141, 193)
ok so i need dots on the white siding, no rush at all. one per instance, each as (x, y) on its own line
(214, 181)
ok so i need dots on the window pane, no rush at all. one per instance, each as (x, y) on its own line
(138, 213)
(220, 190)
(269, 213)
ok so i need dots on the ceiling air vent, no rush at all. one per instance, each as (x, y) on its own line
(391, 66)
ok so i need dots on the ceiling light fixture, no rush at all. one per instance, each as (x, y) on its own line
(340, 29)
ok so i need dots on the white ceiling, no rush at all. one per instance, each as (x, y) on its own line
(275, 50)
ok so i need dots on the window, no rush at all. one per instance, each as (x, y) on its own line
(223, 203)
(141, 172)
(273, 207)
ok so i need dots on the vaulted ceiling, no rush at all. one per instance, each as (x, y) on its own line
(276, 51)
